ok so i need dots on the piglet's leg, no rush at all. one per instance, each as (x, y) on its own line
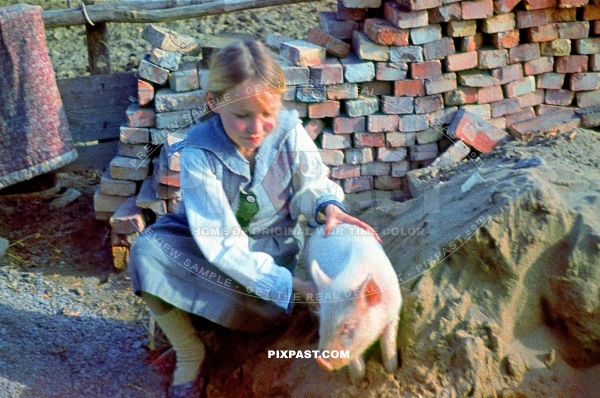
(388, 346)
(357, 367)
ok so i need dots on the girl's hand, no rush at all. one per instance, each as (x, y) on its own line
(336, 216)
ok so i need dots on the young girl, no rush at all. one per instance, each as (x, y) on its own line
(247, 173)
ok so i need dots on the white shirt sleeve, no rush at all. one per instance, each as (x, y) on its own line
(226, 245)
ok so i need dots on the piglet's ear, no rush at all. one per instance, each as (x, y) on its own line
(370, 293)
(319, 277)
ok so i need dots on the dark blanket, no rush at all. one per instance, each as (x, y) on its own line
(34, 134)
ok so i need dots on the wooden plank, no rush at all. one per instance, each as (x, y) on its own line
(95, 105)
(152, 11)
(98, 51)
(92, 157)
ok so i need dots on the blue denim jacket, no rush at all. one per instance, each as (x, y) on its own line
(289, 180)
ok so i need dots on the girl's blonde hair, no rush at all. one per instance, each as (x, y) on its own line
(242, 61)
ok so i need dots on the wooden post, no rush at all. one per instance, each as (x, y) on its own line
(97, 44)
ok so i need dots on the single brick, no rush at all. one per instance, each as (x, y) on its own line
(505, 107)
(573, 30)
(425, 34)
(335, 141)
(345, 14)
(426, 70)
(539, 4)
(310, 93)
(552, 123)
(483, 110)
(329, 72)
(203, 77)
(174, 120)
(346, 125)
(184, 80)
(414, 5)
(341, 30)
(140, 117)
(461, 28)
(362, 106)
(588, 46)
(532, 99)
(380, 123)
(584, 81)
(388, 183)
(523, 115)
(507, 74)
(300, 107)
(571, 64)
(332, 157)
(594, 62)
(162, 174)
(327, 108)
(382, 32)
(409, 88)
(538, 66)
(154, 73)
(375, 169)
(146, 199)
(410, 123)
(404, 19)
(358, 155)
(441, 84)
(423, 152)
(376, 87)
(107, 203)
(346, 171)
(397, 105)
(529, 19)
(170, 40)
(365, 48)
(461, 61)
(471, 43)
(499, 23)
(342, 91)
(115, 187)
(476, 131)
(385, 154)
(479, 9)
(585, 99)
(128, 218)
(122, 168)
(289, 93)
(134, 150)
(492, 59)
(296, 75)
(167, 100)
(508, 39)
(559, 97)
(358, 184)
(314, 127)
(406, 54)
(399, 169)
(432, 134)
(558, 47)
(357, 70)
(520, 87)
(332, 45)
(454, 154)
(542, 33)
(485, 95)
(134, 135)
(390, 71)
(562, 14)
(362, 3)
(524, 52)
(428, 104)
(369, 140)
(445, 13)
(400, 139)
(439, 49)
(551, 80)
(461, 96)
(476, 78)
(302, 53)
(590, 117)
(442, 117)
(145, 92)
(166, 59)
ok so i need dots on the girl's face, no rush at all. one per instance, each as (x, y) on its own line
(249, 114)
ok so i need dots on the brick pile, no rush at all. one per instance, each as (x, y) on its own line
(383, 87)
